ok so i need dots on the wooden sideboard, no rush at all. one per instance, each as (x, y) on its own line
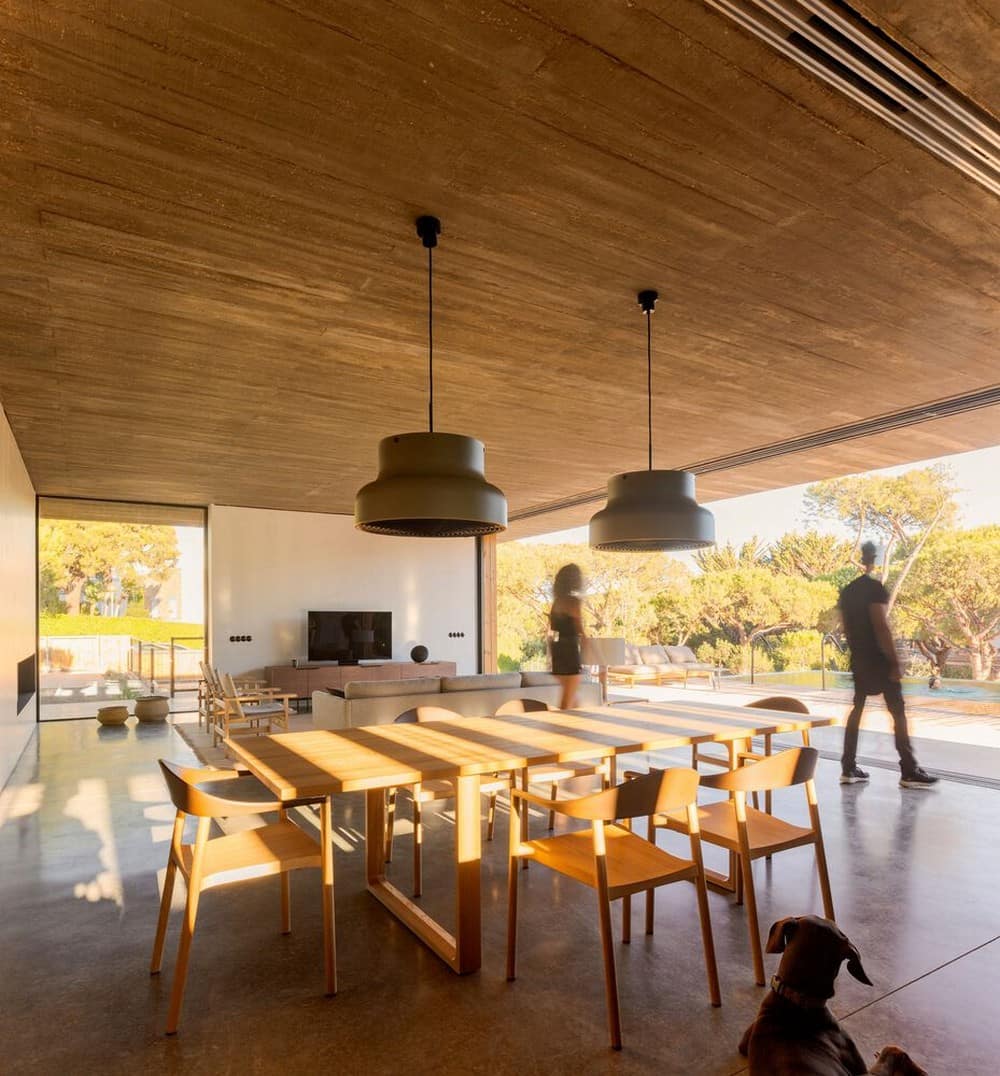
(306, 679)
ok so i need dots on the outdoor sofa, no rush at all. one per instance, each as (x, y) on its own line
(660, 665)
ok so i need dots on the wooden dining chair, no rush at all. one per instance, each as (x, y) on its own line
(276, 848)
(433, 791)
(786, 704)
(554, 773)
(750, 834)
(616, 862)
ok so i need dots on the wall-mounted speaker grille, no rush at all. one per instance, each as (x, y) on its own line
(835, 43)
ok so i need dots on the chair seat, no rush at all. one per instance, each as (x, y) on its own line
(564, 771)
(765, 833)
(278, 847)
(444, 789)
(634, 864)
(260, 709)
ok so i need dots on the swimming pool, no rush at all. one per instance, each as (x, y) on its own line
(812, 679)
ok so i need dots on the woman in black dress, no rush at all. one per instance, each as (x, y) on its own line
(566, 631)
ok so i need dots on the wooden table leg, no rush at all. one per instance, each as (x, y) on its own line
(468, 882)
(461, 951)
(329, 926)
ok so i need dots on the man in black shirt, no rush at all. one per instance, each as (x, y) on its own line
(864, 610)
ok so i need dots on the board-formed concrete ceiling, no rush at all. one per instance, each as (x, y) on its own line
(211, 290)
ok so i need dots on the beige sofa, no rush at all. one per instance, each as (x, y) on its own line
(379, 702)
(661, 664)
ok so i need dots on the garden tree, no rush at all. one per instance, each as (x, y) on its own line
(744, 604)
(75, 553)
(811, 554)
(952, 597)
(722, 558)
(618, 600)
(902, 511)
(677, 614)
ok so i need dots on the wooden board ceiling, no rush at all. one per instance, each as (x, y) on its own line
(211, 290)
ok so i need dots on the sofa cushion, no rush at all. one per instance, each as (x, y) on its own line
(653, 655)
(480, 683)
(380, 689)
(681, 655)
(632, 655)
(538, 679)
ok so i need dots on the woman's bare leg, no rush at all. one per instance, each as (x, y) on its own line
(570, 684)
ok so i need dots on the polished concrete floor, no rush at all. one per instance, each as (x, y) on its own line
(85, 822)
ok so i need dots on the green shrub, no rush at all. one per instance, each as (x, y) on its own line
(797, 650)
(144, 628)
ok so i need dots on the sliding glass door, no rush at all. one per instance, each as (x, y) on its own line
(121, 603)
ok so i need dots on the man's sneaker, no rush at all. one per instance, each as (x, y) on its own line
(918, 779)
(853, 777)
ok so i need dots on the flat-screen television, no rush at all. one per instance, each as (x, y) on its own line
(349, 637)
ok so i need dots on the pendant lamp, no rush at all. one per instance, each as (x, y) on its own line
(430, 485)
(651, 510)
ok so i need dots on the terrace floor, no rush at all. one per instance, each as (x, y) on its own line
(84, 826)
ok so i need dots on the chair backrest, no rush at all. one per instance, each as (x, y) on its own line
(425, 713)
(211, 678)
(792, 767)
(183, 785)
(654, 793)
(522, 706)
(786, 703)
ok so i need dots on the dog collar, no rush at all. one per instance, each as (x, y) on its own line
(796, 997)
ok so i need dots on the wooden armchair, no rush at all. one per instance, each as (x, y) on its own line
(750, 834)
(555, 773)
(276, 848)
(433, 791)
(238, 710)
(617, 863)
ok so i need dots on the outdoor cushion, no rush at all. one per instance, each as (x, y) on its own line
(480, 683)
(681, 655)
(653, 655)
(538, 679)
(380, 689)
(632, 654)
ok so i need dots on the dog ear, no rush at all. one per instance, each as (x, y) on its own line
(780, 934)
(854, 965)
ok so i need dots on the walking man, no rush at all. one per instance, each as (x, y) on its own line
(864, 610)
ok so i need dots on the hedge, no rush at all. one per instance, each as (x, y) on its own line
(139, 627)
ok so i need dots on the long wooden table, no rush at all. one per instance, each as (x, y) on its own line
(323, 763)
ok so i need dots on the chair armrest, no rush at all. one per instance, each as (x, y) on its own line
(539, 801)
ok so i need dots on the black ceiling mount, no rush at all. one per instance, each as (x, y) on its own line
(647, 300)
(428, 228)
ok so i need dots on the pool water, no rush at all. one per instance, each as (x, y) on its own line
(950, 689)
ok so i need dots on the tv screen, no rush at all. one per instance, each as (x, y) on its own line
(349, 637)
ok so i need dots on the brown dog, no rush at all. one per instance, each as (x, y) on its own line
(795, 1034)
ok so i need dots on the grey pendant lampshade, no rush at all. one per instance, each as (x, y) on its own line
(651, 510)
(430, 485)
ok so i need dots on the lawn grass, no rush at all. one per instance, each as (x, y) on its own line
(139, 627)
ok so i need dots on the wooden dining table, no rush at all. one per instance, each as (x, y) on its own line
(324, 763)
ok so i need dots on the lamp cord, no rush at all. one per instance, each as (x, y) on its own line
(649, 381)
(430, 337)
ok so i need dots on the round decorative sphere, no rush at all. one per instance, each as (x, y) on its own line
(112, 715)
(152, 708)
(419, 654)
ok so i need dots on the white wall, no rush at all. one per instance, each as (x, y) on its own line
(17, 596)
(268, 569)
